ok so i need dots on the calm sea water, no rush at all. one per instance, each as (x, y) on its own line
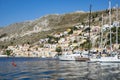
(53, 69)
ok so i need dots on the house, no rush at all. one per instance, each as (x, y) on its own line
(65, 33)
(61, 40)
(106, 26)
(116, 23)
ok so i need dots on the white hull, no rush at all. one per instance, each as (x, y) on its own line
(68, 57)
(105, 59)
(3, 56)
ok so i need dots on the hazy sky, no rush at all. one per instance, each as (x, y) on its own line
(12, 11)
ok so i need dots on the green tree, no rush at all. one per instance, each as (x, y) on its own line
(86, 45)
(58, 49)
(75, 41)
(8, 52)
(75, 28)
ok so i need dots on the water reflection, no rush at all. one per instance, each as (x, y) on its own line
(59, 70)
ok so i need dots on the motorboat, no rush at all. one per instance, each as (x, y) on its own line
(75, 56)
(68, 57)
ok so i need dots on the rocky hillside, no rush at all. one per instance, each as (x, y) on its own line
(32, 31)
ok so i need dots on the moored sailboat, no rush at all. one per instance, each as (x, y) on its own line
(114, 56)
(80, 55)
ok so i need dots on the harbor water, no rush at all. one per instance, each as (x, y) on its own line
(53, 69)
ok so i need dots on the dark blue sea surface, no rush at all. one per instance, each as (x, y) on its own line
(53, 69)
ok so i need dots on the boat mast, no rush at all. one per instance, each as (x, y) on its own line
(102, 34)
(110, 24)
(89, 25)
(117, 24)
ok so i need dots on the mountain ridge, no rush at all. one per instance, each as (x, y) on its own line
(32, 31)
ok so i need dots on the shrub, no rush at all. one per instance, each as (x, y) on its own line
(8, 52)
(58, 49)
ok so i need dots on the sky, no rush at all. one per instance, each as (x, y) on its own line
(12, 11)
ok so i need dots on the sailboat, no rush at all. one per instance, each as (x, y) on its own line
(114, 56)
(80, 55)
(87, 53)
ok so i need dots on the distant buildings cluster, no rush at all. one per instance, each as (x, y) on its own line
(68, 42)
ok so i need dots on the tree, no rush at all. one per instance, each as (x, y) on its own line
(58, 49)
(8, 52)
(86, 44)
(75, 41)
(75, 28)
(100, 19)
(70, 31)
(3, 35)
(11, 42)
(83, 23)
(28, 42)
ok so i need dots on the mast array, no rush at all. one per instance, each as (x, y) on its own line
(101, 45)
(117, 24)
(89, 26)
(110, 24)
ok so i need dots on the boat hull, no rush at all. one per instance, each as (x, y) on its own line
(105, 59)
(68, 57)
(73, 57)
(79, 58)
(3, 56)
